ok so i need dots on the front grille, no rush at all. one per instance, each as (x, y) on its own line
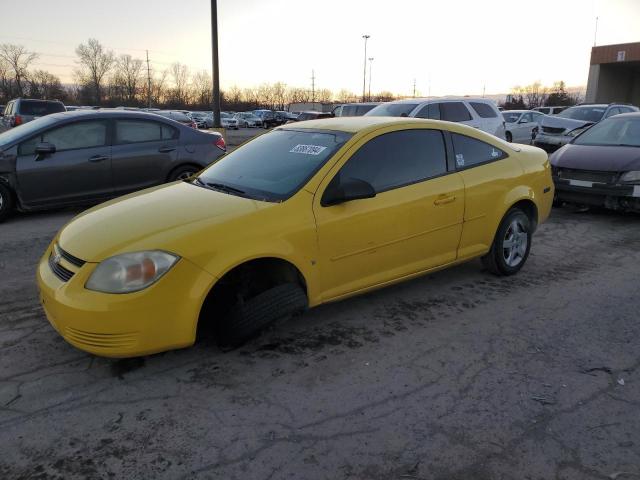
(102, 340)
(59, 271)
(553, 130)
(70, 258)
(587, 175)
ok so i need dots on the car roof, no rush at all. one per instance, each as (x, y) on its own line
(516, 111)
(107, 114)
(443, 99)
(626, 115)
(354, 124)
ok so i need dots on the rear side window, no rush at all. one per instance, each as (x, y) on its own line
(348, 111)
(39, 108)
(397, 159)
(139, 131)
(483, 109)
(362, 109)
(454, 112)
(470, 151)
(431, 111)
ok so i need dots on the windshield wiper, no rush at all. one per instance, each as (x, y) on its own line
(225, 188)
(626, 145)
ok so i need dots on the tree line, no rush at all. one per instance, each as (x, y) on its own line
(102, 78)
(537, 95)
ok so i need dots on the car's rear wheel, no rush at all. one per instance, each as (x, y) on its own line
(183, 173)
(248, 317)
(511, 245)
(6, 201)
(509, 137)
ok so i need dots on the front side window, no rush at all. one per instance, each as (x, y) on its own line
(527, 118)
(612, 111)
(483, 109)
(454, 112)
(431, 111)
(471, 151)
(69, 137)
(273, 166)
(395, 159)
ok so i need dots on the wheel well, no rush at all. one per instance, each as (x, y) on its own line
(530, 209)
(243, 282)
(182, 165)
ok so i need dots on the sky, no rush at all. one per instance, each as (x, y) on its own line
(451, 47)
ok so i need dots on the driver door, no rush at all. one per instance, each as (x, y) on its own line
(79, 169)
(412, 224)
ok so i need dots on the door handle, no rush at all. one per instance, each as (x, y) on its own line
(444, 200)
(166, 149)
(98, 158)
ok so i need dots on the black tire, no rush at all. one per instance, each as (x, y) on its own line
(6, 202)
(503, 260)
(249, 317)
(182, 173)
(509, 137)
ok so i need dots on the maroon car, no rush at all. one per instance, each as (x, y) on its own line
(601, 167)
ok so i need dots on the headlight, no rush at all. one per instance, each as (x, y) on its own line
(577, 131)
(631, 177)
(130, 272)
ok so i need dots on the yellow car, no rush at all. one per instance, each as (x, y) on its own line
(309, 213)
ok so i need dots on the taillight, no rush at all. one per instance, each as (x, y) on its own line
(17, 120)
(221, 144)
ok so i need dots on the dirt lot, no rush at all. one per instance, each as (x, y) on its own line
(457, 375)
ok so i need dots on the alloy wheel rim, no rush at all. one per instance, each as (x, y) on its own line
(185, 175)
(515, 243)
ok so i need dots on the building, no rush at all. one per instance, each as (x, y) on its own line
(614, 74)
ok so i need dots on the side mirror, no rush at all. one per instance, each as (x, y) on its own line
(522, 120)
(344, 191)
(45, 148)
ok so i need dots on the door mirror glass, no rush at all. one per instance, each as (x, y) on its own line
(45, 148)
(344, 191)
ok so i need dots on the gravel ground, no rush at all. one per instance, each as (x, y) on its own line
(456, 375)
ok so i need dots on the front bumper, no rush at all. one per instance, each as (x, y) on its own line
(551, 143)
(615, 197)
(161, 317)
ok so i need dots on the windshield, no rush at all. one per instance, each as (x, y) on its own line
(276, 165)
(587, 114)
(392, 110)
(613, 131)
(511, 117)
(25, 130)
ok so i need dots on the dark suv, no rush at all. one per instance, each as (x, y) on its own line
(22, 110)
(269, 118)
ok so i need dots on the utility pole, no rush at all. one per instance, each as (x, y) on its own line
(595, 35)
(364, 77)
(414, 88)
(215, 70)
(484, 88)
(313, 88)
(148, 82)
(370, 63)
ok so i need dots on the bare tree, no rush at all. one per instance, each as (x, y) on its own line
(202, 89)
(45, 85)
(180, 76)
(535, 94)
(17, 59)
(127, 78)
(94, 62)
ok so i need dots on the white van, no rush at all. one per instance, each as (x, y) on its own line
(475, 112)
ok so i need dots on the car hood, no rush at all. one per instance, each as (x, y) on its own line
(566, 123)
(604, 159)
(178, 218)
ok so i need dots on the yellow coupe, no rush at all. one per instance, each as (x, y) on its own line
(309, 213)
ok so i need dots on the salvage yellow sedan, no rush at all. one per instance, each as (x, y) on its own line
(309, 213)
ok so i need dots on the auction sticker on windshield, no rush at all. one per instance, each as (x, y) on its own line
(308, 149)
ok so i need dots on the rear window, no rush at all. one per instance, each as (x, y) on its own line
(392, 110)
(483, 109)
(454, 112)
(40, 108)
